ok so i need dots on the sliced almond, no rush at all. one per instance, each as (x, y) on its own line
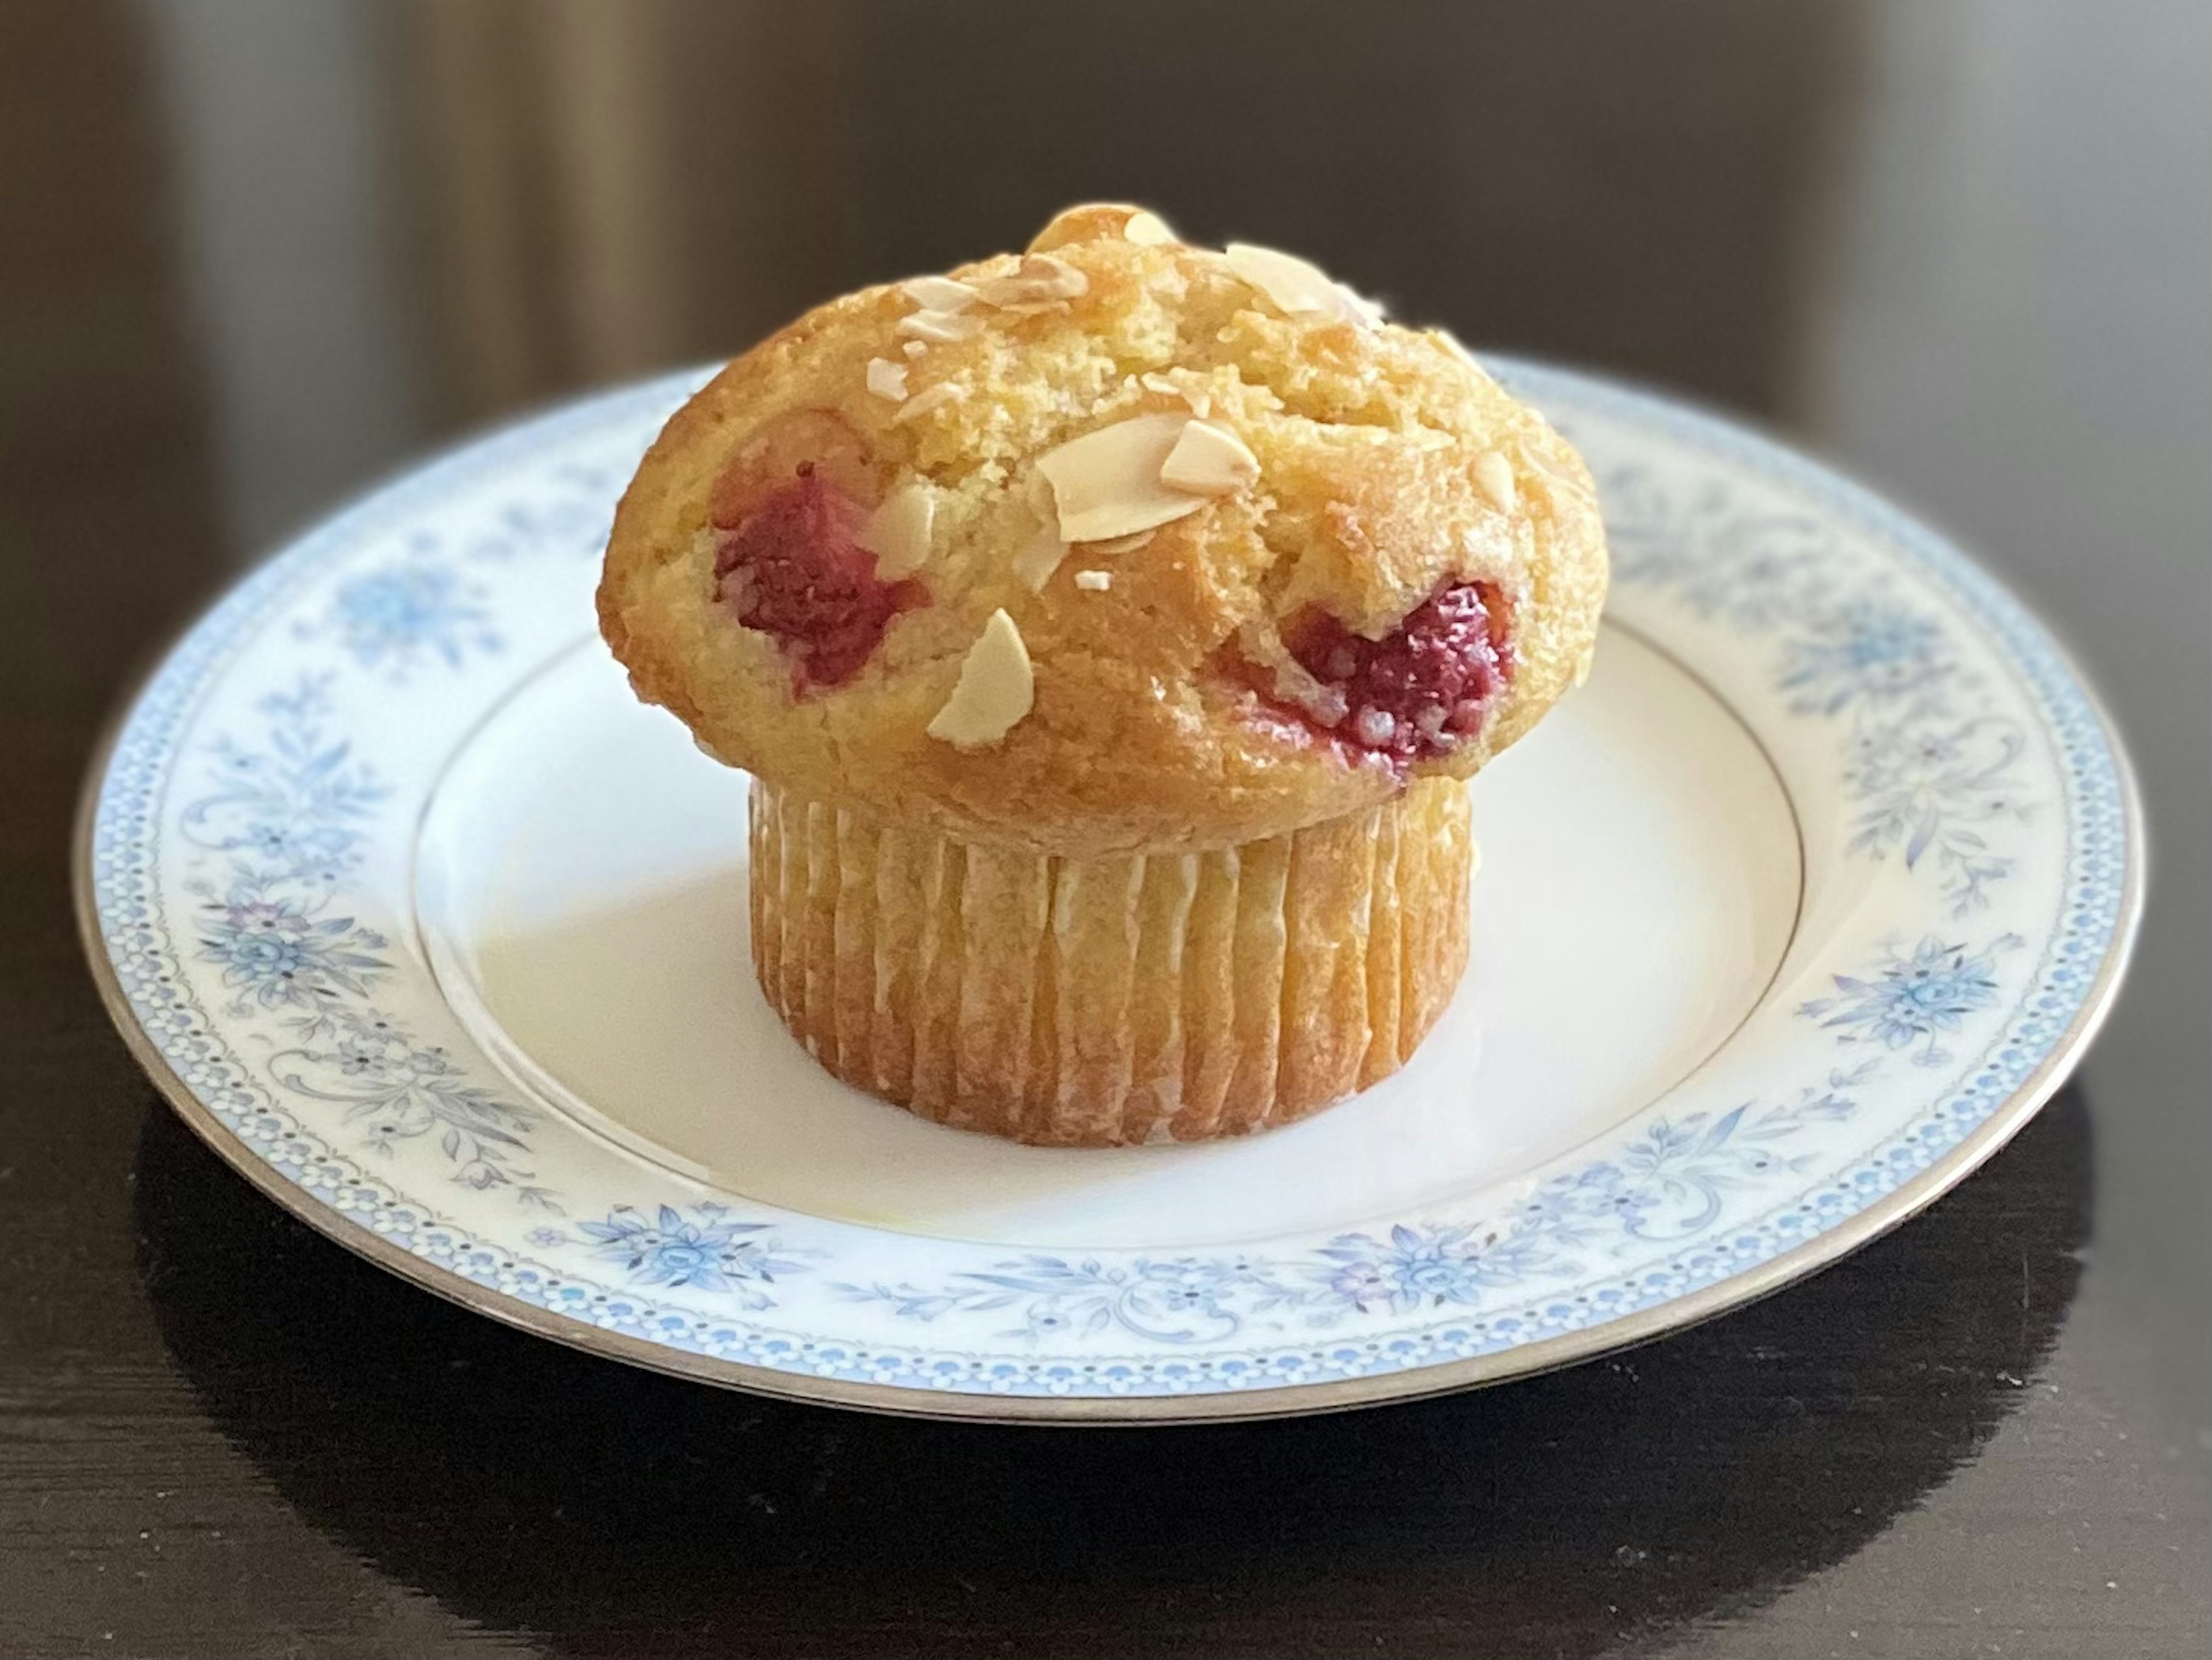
(1116, 546)
(1036, 493)
(1040, 279)
(1564, 485)
(887, 378)
(1106, 483)
(928, 398)
(938, 292)
(940, 326)
(1091, 221)
(1209, 460)
(1038, 558)
(1043, 552)
(1451, 343)
(1160, 384)
(915, 347)
(1494, 473)
(1094, 582)
(1147, 226)
(1368, 314)
(898, 531)
(995, 690)
(1298, 287)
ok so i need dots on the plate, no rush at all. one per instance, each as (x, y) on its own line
(1785, 923)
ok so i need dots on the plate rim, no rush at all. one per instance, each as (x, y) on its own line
(1890, 1209)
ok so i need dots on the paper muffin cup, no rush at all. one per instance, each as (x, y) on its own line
(1092, 1002)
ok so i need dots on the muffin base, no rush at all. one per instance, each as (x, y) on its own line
(1094, 1002)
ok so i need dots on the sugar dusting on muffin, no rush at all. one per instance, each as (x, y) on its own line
(1257, 476)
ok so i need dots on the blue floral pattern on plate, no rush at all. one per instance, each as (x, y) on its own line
(1931, 759)
(1913, 998)
(709, 1252)
(1668, 1182)
(397, 616)
(250, 800)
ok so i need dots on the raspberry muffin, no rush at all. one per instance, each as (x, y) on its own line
(1109, 630)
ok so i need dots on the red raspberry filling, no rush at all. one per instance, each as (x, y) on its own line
(791, 567)
(1420, 691)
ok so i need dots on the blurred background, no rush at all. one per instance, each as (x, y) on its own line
(255, 253)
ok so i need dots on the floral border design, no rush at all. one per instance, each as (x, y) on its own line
(1914, 999)
(1668, 1182)
(710, 1251)
(1433, 1266)
(397, 616)
(1929, 759)
(285, 819)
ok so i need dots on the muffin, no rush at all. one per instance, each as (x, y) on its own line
(1109, 630)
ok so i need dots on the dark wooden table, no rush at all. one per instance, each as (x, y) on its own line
(249, 256)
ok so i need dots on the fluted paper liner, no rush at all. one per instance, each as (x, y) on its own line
(1088, 1002)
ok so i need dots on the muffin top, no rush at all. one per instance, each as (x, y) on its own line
(1114, 545)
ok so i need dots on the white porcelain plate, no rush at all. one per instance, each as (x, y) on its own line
(1784, 922)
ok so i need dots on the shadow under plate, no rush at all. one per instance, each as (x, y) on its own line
(528, 1486)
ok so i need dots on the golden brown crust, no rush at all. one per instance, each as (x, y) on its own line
(1140, 737)
(1181, 996)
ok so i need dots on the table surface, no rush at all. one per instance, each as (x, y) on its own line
(254, 253)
